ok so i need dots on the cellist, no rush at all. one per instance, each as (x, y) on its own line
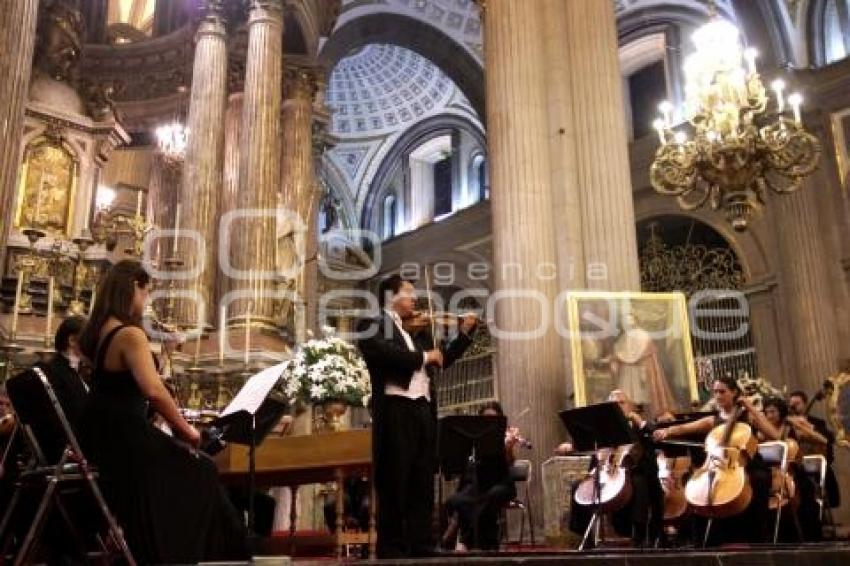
(642, 516)
(753, 524)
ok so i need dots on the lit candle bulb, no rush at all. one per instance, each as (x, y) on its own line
(222, 334)
(48, 328)
(198, 347)
(248, 331)
(91, 302)
(16, 308)
(795, 100)
(750, 55)
(666, 109)
(680, 138)
(658, 124)
(176, 230)
(778, 86)
(138, 203)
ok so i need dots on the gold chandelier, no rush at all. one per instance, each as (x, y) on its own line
(738, 148)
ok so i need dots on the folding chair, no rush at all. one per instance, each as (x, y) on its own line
(58, 467)
(775, 455)
(815, 466)
(520, 473)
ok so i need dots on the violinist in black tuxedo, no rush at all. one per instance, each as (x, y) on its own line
(404, 424)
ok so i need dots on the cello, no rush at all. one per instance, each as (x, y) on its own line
(721, 487)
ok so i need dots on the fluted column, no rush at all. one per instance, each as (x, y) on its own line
(17, 40)
(253, 244)
(530, 372)
(230, 189)
(602, 159)
(804, 277)
(202, 173)
(566, 197)
(298, 183)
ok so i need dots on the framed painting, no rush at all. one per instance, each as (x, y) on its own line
(638, 343)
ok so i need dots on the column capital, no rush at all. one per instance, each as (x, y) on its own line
(268, 5)
(213, 17)
(299, 82)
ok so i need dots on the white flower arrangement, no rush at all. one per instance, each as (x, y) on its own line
(327, 370)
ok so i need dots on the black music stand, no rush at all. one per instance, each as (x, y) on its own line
(463, 441)
(593, 427)
(249, 418)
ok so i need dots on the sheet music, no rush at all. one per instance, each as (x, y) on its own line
(255, 391)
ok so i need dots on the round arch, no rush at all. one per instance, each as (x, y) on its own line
(746, 245)
(416, 135)
(417, 36)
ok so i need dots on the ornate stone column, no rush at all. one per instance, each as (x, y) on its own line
(203, 167)
(298, 187)
(253, 243)
(602, 159)
(524, 272)
(17, 41)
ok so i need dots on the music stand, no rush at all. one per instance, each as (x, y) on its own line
(593, 427)
(463, 441)
(249, 418)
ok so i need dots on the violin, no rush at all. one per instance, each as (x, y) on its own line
(422, 320)
(721, 488)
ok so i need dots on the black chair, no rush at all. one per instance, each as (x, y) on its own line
(58, 470)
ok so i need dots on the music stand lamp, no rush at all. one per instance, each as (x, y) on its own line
(591, 428)
(463, 442)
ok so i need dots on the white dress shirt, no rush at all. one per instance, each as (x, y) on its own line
(420, 382)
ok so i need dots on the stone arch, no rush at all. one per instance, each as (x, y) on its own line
(747, 245)
(453, 59)
(412, 138)
(336, 185)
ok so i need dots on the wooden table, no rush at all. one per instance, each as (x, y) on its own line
(292, 461)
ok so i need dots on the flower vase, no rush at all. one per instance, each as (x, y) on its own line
(333, 412)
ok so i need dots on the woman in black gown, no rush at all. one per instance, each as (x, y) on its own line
(166, 497)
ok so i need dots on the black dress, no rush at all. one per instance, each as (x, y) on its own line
(168, 501)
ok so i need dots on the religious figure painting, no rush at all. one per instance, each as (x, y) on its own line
(638, 343)
(48, 183)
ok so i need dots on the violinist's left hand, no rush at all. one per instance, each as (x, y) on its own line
(468, 322)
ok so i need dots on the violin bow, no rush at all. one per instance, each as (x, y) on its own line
(430, 309)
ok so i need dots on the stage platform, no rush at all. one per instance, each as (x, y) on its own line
(821, 554)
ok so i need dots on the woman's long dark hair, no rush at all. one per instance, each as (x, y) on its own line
(114, 299)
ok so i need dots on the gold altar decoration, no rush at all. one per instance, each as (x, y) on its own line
(49, 177)
(838, 407)
(739, 148)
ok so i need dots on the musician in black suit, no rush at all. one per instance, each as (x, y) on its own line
(797, 404)
(404, 410)
(63, 369)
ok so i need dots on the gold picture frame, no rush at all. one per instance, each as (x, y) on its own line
(48, 186)
(639, 343)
